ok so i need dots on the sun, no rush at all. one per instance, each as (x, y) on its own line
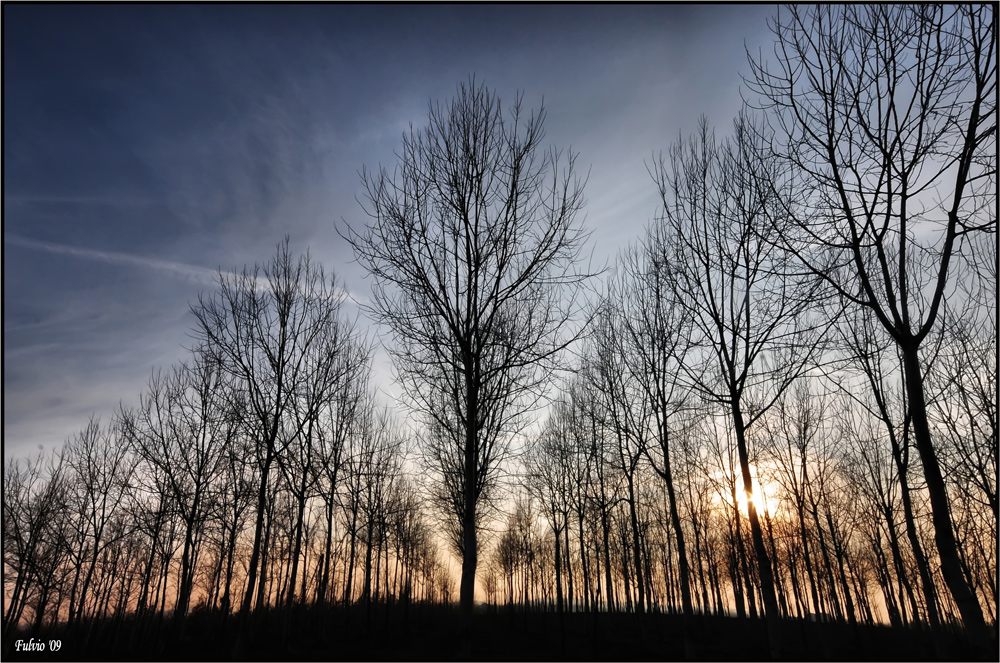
(765, 496)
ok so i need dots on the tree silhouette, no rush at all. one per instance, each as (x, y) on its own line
(751, 332)
(656, 339)
(181, 429)
(34, 504)
(887, 115)
(274, 330)
(473, 246)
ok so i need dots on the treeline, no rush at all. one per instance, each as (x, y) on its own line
(616, 499)
(846, 543)
(780, 402)
(261, 472)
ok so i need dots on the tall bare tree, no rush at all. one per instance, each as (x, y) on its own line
(751, 332)
(338, 419)
(99, 464)
(473, 246)
(623, 414)
(336, 357)
(887, 114)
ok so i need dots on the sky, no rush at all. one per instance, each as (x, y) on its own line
(147, 147)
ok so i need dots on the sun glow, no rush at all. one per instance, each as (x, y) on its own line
(765, 496)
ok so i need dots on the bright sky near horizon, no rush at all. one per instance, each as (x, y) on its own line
(147, 146)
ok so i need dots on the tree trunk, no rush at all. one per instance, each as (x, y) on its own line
(230, 564)
(469, 553)
(351, 558)
(559, 590)
(944, 534)
(265, 575)
(187, 578)
(609, 599)
(901, 456)
(569, 566)
(636, 550)
(324, 581)
(806, 557)
(297, 548)
(255, 553)
(698, 554)
(841, 554)
(675, 521)
(744, 586)
(779, 585)
(763, 560)
(584, 563)
(897, 560)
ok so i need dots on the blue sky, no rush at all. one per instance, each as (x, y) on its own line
(147, 146)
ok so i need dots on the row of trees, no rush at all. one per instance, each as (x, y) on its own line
(844, 541)
(815, 301)
(261, 472)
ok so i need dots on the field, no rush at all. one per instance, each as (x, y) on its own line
(431, 633)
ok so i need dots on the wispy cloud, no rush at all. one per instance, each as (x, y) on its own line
(189, 273)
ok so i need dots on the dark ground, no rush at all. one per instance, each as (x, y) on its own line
(430, 633)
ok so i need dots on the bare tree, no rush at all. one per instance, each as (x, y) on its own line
(34, 503)
(656, 336)
(335, 357)
(580, 472)
(409, 529)
(153, 513)
(337, 420)
(270, 330)
(236, 495)
(99, 464)
(877, 357)
(963, 405)
(376, 462)
(794, 434)
(888, 115)
(751, 332)
(548, 467)
(962, 389)
(473, 246)
(181, 428)
(624, 413)
(603, 489)
(441, 454)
